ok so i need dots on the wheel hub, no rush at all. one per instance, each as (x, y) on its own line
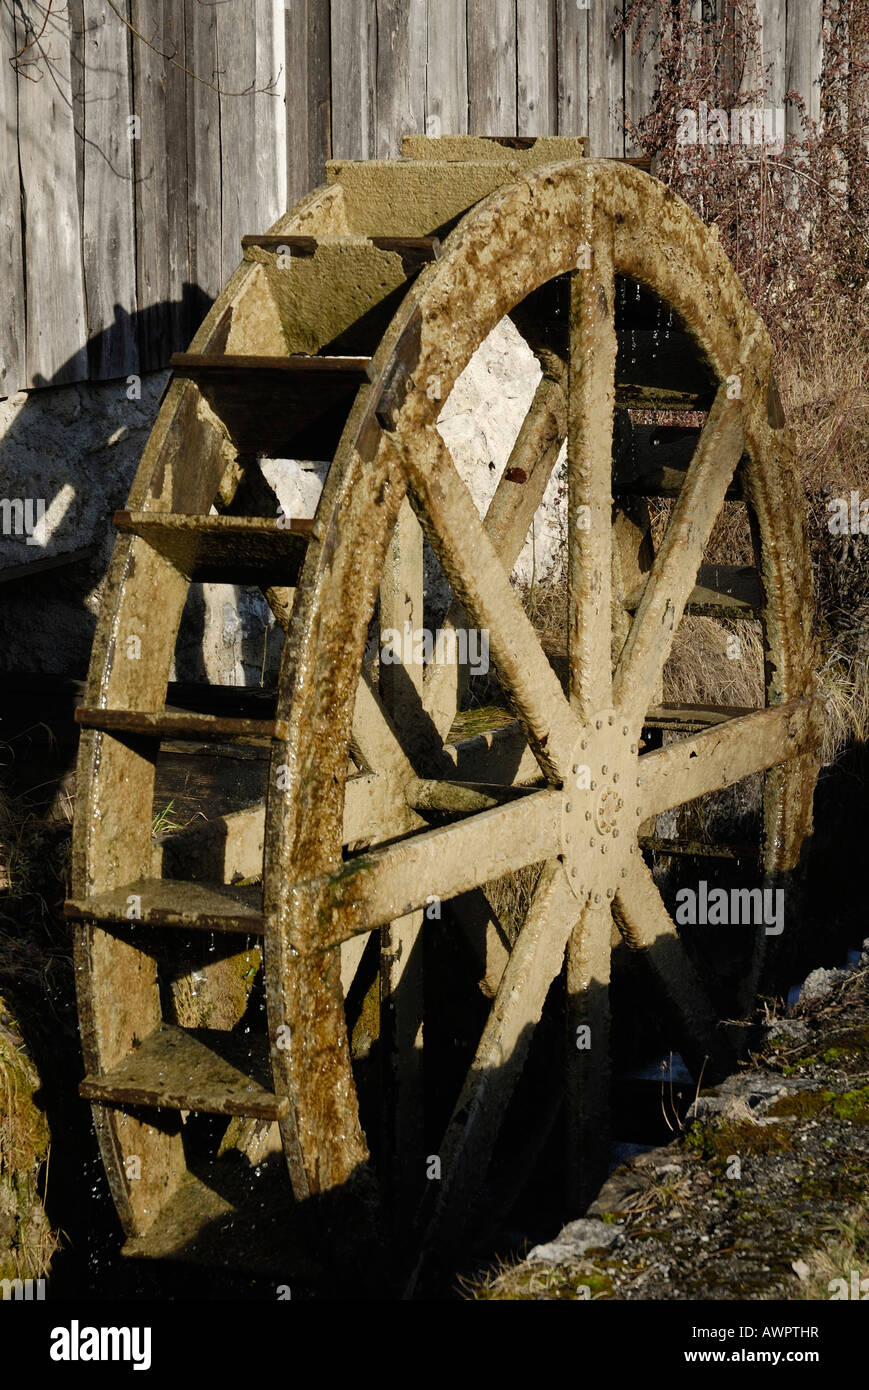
(600, 808)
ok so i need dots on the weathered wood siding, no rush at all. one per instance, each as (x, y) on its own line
(128, 176)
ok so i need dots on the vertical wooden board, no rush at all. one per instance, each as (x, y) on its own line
(724, 38)
(298, 120)
(12, 359)
(710, 43)
(773, 38)
(75, 9)
(55, 333)
(447, 68)
(308, 95)
(803, 55)
(765, 67)
(160, 165)
(536, 85)
(204, 233)
(270, 120)
(108, 235)
(606, 70)
(492, 67)
(698, 37)
(151, 178)
(572, 44)
(185, 311)
(354, 48)
(640, 80)
(236, 53)
(401, 56)
(319, 91)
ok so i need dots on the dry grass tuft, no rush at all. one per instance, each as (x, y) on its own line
(27, 1243)
(844, 681)
(713, 663)
(824, 385)
(511, 896)
(845, 1251)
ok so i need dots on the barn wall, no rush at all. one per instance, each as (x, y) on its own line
(140, 139)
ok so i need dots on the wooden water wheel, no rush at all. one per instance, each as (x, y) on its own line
(222, 978)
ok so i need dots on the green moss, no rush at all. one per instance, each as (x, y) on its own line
(852, 1105)
(831, 1184)
(794, 1068)
(850, 1044)
(367, 1026)
(855, 1039)
(599, 1284)
(832, 1057)
(719, 1141)
(843, 1105)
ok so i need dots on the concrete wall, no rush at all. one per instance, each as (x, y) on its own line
(74, 450)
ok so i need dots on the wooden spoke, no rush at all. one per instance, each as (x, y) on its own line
(534, 455)
(587, 1055)
(727, 753)
(675, 569)
(589, 461)
(388, 883)
(401, 1042)
(510, 514)
(486, 938)
(375, 738)
(477, 576)
(401, 947)
(646, 926)
(633, 557)
(467, 1147)
(592, 367)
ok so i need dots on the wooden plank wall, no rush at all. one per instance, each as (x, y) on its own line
(139, 139)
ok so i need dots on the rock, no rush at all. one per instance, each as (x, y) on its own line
(821, 982)
(575, 1239)
(661, 1158)
(746, 1096)
(616, 1190)
(791, 1032)
(706, 1106)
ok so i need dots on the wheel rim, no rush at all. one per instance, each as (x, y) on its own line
(504, 250)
